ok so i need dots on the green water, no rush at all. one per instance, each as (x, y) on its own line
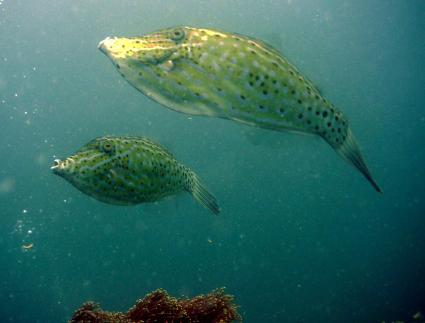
(302, 237)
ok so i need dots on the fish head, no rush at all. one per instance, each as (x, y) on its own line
(164, 65)
(93, 166)
(149, 50)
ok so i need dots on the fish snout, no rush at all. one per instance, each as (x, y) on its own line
(59, 166)
(56, 165)
(106, 44)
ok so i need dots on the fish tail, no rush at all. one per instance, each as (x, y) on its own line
(350, 151)
(201, 194)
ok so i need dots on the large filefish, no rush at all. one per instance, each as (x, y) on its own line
(128, 171)
(212, 73)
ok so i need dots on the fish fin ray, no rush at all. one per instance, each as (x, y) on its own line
(201, 194)
(350, 151)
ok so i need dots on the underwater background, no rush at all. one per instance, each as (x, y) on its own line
(302, 237)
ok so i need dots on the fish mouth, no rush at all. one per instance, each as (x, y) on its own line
(57, 167)
(56, 164)
(60, 166)
(106, 43)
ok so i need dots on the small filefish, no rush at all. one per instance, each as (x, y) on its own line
(212, 73)
(130, 170)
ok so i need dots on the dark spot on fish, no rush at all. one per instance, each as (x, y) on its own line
(276, 91)
(316, 96)
(243, 97)
(123, 46)
(253, 52)
(309, 108)
(339, 130)
(118, 66)
(262, 84)
(265, 92)
(308, 121)
(140, 73)
(257, 78)
(293, 92)
(336, 118)
(266, 77)
(329, 124)
(325, 114)
(290, 72)
(281, 110)
(300, 116)
(333, 130)
(251, 75)
(251, 83)
(179, 83)
(316, 127)
(219, 89)
(275, 64)
(317, 112)
(274, 81)
(261, 107)
(197, 94)
(299, 102)
(217, 35)
(308, 88)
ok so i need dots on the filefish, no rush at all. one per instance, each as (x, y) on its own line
(129, 171)
(213, 73)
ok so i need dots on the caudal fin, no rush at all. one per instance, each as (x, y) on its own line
(201, 194)
(350, 151)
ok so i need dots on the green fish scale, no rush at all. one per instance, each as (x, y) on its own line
(137, 171)
(234, 77)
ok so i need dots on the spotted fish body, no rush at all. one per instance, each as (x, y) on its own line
(130, 170)
(212, 73)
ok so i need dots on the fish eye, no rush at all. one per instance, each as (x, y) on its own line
(107, 147)
(177, 34)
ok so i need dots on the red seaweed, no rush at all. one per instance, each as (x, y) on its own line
(158, 306)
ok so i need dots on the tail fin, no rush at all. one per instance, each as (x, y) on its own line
(350, 151)
(201, 194)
